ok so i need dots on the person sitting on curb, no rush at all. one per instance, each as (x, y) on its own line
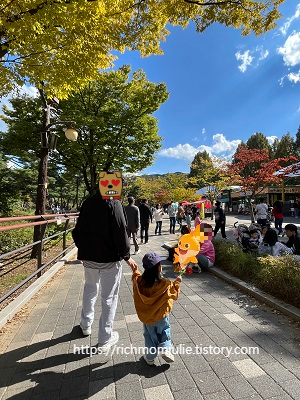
(276, 248)
(291, 232)
(206, 255)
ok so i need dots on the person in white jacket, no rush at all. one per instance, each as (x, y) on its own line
(277, 248)
(158, 213)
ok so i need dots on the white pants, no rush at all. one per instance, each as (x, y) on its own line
(109, 276)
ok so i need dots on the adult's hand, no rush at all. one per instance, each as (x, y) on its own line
(132, 264)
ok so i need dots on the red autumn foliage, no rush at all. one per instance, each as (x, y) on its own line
(253, 170)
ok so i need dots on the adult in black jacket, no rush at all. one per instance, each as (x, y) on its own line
(145, 218)
(291, 232)
(102, 241)
(220, 220)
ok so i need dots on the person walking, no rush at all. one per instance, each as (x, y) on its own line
(172, 216)
(101, 238)
(180, 214)
(158, 213)
(133, 222)
(277, 212)
(153, 299)
(145, 218)
(261, 212)
(220, 220)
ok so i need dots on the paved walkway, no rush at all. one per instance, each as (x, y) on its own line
(38, 360)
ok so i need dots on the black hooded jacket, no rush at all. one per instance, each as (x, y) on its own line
(100, 232)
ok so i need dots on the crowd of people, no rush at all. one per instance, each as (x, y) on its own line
(102, 235)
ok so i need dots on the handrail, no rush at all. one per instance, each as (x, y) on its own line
(20, 218)
(43, 222)
(54, 218)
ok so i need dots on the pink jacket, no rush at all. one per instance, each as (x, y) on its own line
(208, 250)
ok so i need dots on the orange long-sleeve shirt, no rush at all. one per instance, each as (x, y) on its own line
(153, 304)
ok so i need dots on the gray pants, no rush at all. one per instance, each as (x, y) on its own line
(108, 275)
(204, 261)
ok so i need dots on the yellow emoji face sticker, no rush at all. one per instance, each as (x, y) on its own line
(110, 185)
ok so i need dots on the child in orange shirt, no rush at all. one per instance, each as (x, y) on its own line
(153, 298)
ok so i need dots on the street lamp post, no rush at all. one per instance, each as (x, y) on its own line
(47, 142)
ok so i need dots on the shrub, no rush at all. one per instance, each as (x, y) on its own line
(279, 276)
(230, 258)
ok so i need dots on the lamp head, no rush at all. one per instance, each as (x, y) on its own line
(71, 134)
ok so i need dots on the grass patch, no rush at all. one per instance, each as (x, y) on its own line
(278, 276)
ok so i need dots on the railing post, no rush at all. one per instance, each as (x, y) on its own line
(65, 233)
(40, 247)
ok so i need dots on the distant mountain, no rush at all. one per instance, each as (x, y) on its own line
(157, 175)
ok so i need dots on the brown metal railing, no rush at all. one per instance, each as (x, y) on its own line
(42, 220)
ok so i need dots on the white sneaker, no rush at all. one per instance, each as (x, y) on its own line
(149, 362)
(86, 331)
(167, 356)
(137, 252)
(112, 341)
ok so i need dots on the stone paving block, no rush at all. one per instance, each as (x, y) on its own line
(180, 379)
(129, 390)
(277, 372)
(238, 387)
(152, 376)
(47, 382)
(249, 368)
(195, 297)
(40, 306)
(120, 324)
(15, 394)
(208, 382)
(41, 337)
(6, 375)
(262, 358)
(101, 370)
(292, 387)
(49, 395)
(224, 368)
(222, 395)
(196, 363)
(266, 387)
(103, 389)
(131, 318)
(20, 381)
(158, 392)
(187, 321)
(190, 394)
(78, 368)
(74, 387)
(126, 372)
(233, 317)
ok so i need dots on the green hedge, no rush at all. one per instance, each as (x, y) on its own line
(278, 276)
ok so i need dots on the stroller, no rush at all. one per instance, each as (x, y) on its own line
(241, 233)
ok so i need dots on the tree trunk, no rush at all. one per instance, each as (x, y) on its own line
(42, 177)
(251, 209)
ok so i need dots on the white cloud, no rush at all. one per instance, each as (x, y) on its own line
(263, 55)
(294, 77)
(291, 50)
(245, 58)
(271, 139)
(221, 147)
(203, 131)
(289, 21)
(249, 56)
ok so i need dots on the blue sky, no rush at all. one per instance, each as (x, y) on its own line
(223, 88)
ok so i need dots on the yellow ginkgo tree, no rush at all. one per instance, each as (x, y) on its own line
(63, 43)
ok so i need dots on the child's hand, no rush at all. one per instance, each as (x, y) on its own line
(178, 279)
